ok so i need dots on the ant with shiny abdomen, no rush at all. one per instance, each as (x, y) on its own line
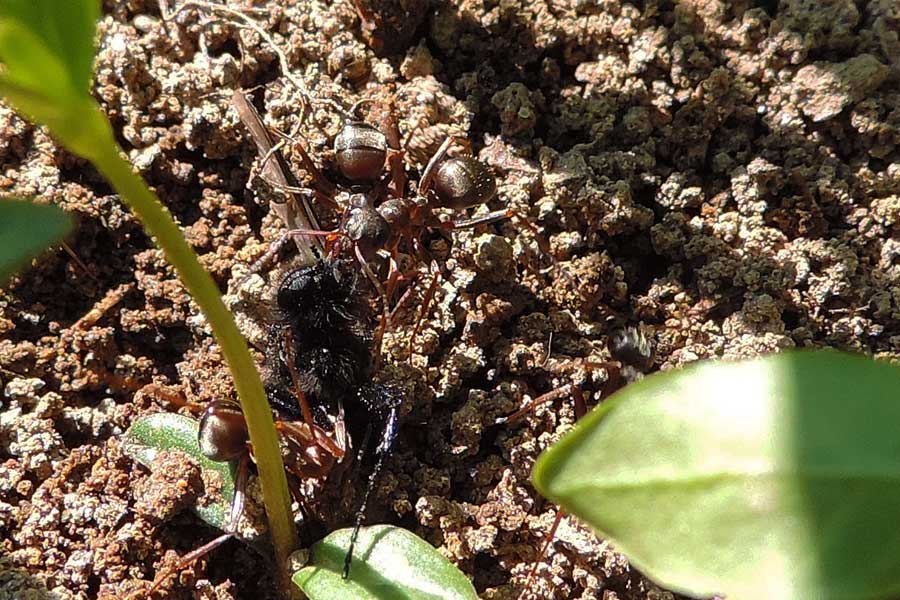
(318, 379)
(378, 214)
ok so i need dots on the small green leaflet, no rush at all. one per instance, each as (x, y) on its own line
(389, 563)
(169, 431)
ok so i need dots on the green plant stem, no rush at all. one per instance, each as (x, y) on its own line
(158, 222)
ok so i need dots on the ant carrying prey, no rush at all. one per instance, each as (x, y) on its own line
(382, 212)
(318, 378)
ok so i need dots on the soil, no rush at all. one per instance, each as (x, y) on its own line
(723, 175)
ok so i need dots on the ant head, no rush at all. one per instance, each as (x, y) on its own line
(223, 431)
(630, 346)
(360, 151)
(463, 182)
(366, 227)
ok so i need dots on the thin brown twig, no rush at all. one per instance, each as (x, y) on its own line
(274, 169)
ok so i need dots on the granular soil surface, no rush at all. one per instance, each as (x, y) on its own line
(723, 175)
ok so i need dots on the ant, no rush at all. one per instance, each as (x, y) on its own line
(318, 379)
(379, 214)
(632, 355)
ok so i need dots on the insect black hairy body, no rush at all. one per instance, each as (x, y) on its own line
(319, 366)
(320, 330)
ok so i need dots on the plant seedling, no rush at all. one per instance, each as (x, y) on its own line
(47, 49)
(25, 231)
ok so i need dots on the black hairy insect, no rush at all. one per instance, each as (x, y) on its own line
(320, 340)
(319, 364)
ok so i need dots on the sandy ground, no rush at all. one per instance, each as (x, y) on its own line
(724, 175)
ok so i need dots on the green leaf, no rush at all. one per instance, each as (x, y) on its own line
(775, 478)
(47, 48)
(389, 563)
(47, 44)
(26, 230)
(169, 431)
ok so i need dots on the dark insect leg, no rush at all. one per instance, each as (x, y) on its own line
(364, 265)
(544, 547)
(267, 258)
(491, 217)
(78, 261)
(388, 435)
(237, 508)
(428, 175)
(543, 399)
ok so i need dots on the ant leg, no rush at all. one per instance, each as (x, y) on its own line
(427, 301)
(266, 259)
(305, 437)
(320, 182)
(543, 399)
(500, 215)
(364, 265)
(543, 552)
(288, 349)
(386, 314)
(397, 170)
(614, 370)
(237, 508)
(387, 442)
(188, 559)
(491, 217)
(330, 237)
(240, 496)
(409, 136)
(170, 395)
(406, 295)
(78, 261)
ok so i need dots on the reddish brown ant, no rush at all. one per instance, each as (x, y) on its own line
(379, 215)
(632, 355)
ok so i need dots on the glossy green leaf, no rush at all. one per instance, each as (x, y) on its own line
(47, 49)
(389, 563)
(26, 230)
(49, 44)
(170, 431)
(775, 478)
